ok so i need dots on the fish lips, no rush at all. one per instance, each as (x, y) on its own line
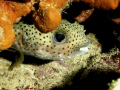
(84, 49)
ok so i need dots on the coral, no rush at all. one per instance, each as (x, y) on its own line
(116, 20)
(84, 15)
(114, 15)
(10, 12)
(114, 85)
(48, 16)
(99, 4)
(113, 60)
(103, 4)
(47, 76)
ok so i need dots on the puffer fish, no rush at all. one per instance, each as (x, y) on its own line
(64, 43)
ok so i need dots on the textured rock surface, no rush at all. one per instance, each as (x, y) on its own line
(55, 73)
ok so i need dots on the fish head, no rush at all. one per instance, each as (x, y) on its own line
(64, 43)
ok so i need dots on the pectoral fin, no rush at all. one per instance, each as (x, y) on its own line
(18, 60)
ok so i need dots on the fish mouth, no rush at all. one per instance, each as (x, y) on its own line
(83, 50)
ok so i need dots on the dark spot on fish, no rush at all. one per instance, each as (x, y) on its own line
(19, 43)
(33, 49)
(32, 27)
(19, 33)
(26, 29)
(24, 26)
(39, 33)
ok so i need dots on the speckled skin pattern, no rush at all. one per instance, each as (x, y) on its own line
(45, 46)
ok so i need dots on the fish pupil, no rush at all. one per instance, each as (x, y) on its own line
(59, 37)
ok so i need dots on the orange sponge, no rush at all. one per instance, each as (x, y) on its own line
(48, 16)
(10, 12)
(103, 4)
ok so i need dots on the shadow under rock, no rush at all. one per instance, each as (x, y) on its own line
(93, 81)
(104, 29)
(98, 23)
(74, 10)
(10, 56)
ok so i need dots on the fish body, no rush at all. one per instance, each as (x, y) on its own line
(64, 43)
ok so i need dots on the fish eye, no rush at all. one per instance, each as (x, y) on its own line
(59, 38)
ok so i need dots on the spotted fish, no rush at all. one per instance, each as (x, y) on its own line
(64, 43)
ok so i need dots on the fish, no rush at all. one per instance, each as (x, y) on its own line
(64, 43)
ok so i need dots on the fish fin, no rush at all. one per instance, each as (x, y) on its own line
(18, 60)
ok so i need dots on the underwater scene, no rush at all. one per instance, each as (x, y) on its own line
(59, 45)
